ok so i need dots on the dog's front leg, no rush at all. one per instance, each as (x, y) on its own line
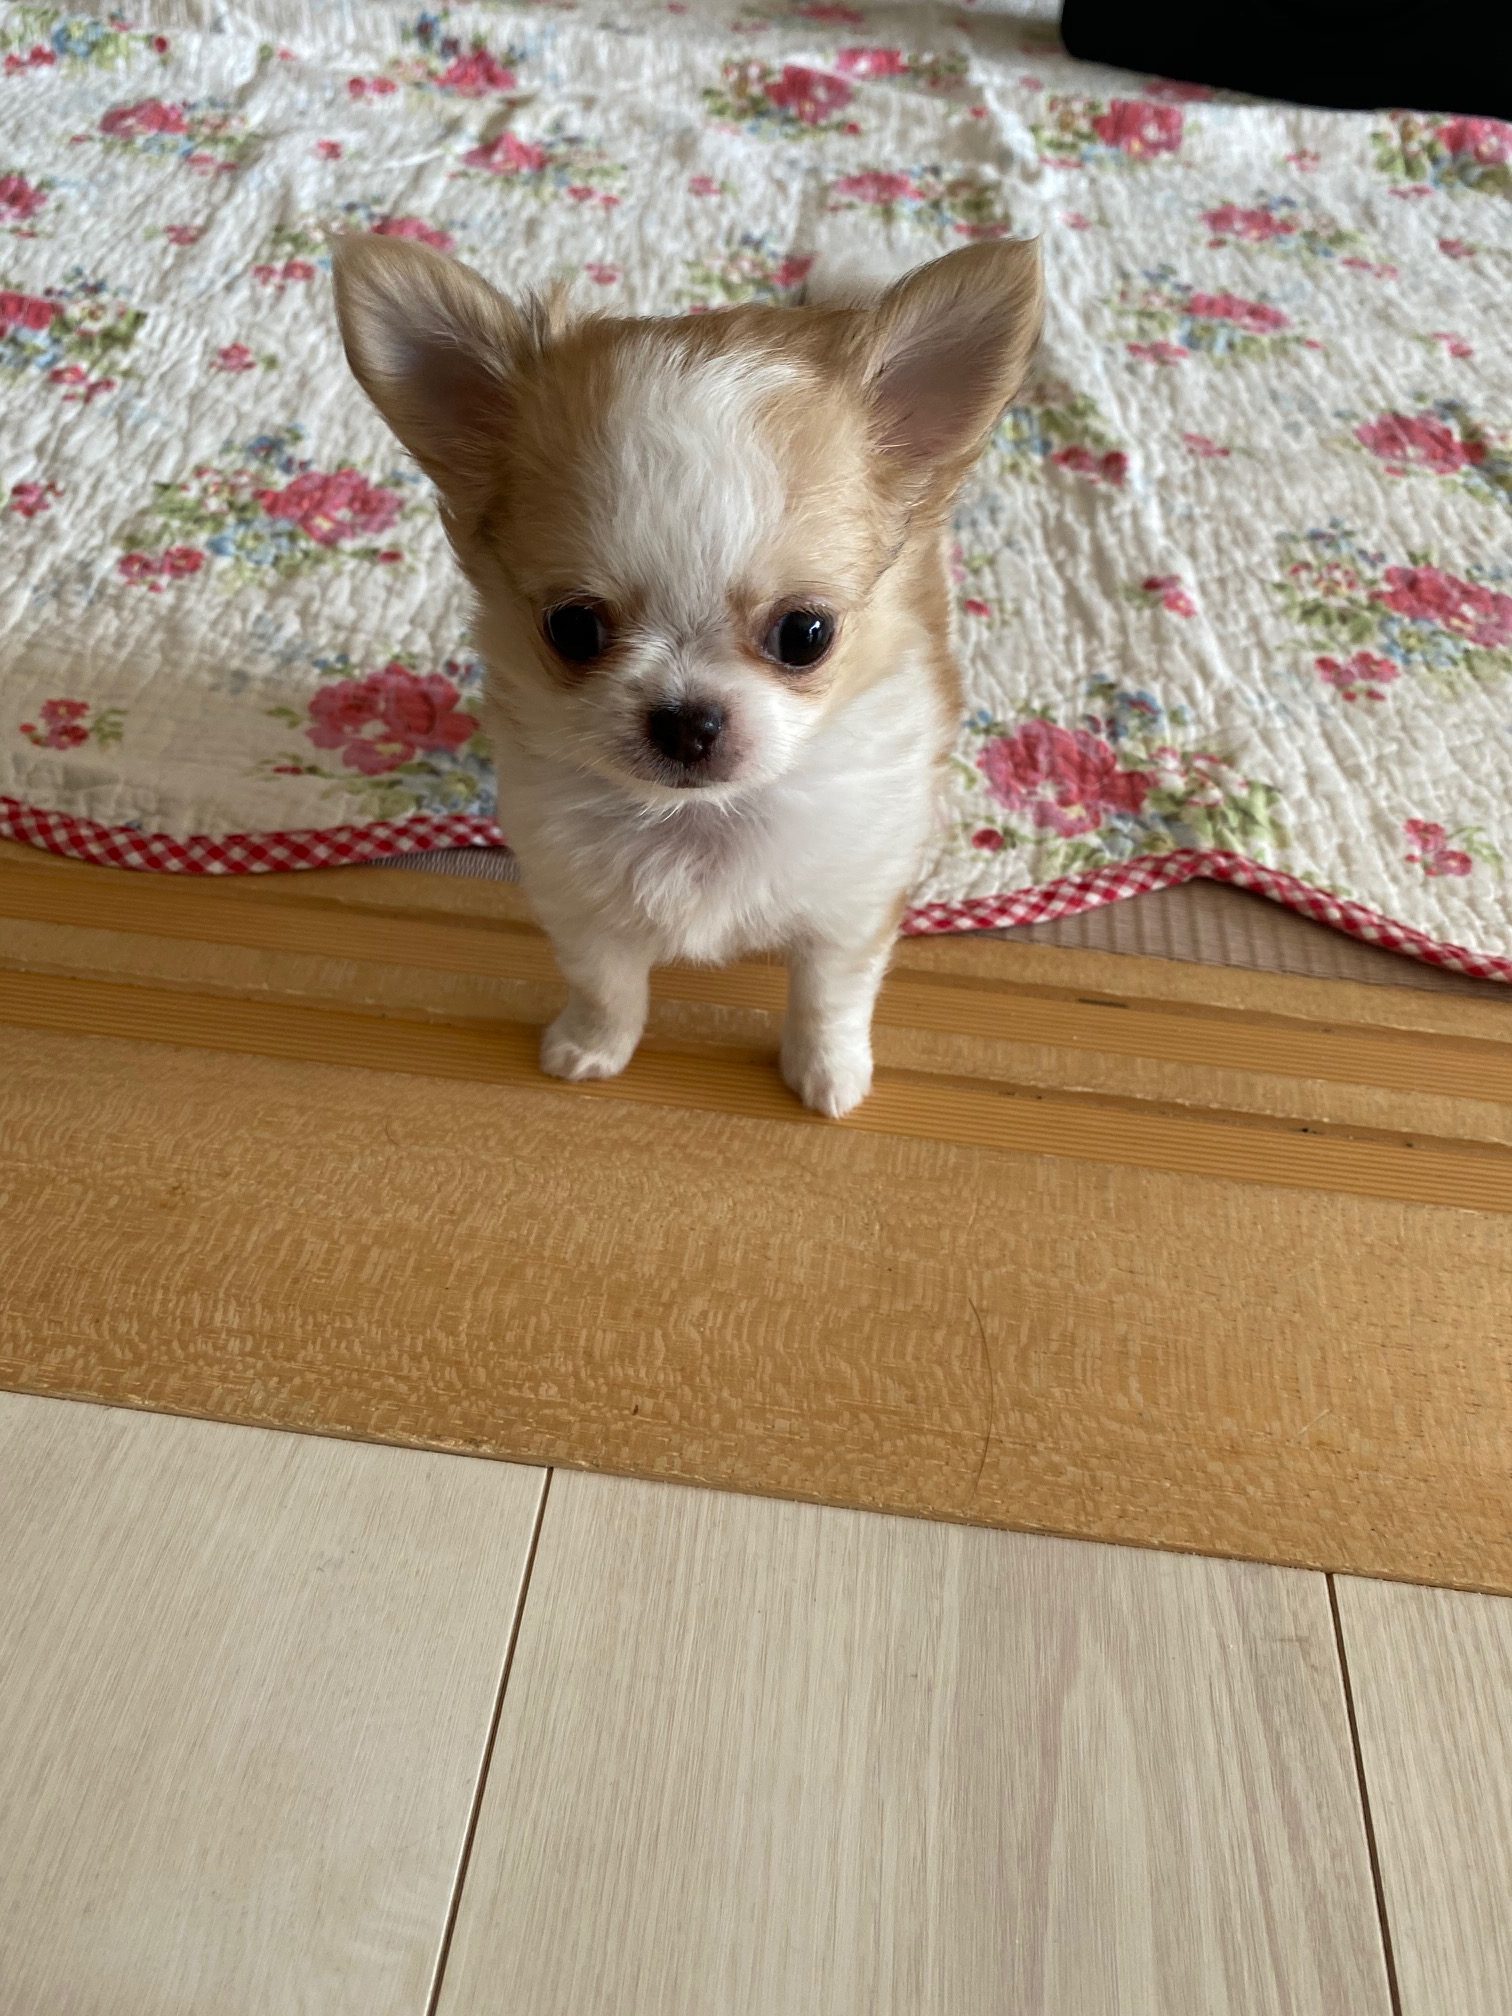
(607, 977)
(826, 1039)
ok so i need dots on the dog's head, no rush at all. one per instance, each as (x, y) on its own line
(689, 537)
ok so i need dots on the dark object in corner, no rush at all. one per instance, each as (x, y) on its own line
(1353, 54)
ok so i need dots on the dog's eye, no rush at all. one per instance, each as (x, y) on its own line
(800, 638)
(576, 632)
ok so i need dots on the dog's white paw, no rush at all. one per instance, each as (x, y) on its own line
(829, 1077)
(567, 1051)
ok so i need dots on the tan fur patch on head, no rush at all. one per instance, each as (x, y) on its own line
(692, 472)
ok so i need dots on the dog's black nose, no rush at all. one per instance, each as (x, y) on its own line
(686, 733)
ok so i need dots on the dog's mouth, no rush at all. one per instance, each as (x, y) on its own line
(667, 785)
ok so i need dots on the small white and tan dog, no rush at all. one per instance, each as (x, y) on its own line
(710, 561)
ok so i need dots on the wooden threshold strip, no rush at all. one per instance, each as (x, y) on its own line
(294, 918)
(997, 1114)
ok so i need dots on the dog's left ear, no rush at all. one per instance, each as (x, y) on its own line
(949, 347)
(434, 346)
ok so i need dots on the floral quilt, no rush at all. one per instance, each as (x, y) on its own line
(1234, 584)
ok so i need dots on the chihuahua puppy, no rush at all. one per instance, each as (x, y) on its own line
(710, 561)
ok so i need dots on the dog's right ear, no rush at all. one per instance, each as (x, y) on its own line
(434, 347)
(951, 346)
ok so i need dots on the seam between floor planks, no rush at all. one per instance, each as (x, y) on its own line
(716, 1876)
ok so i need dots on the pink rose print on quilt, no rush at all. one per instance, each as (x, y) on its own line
(1406, 441)
(1462, 609)
(30, 498)
(244, 524)
(70, 724)
(26, 311)
(404, 741)
(209, 136)
(416, 230)
(1135, 126)
(549, 165)
(871, 63)
(1125, 781)
(910, 68)
(1442, 440)
(1384, 620)
(329, 508)
(1161, 591)
(476, 74)
(1054, 427)
(1438, 852)
(293, 254)
(21, 200)
(77, 335)
(154, 571)
(878, 188)
(387, 718)
(434, 60)
(792, 99)
(754, 268)
(1167, 321)
(1462, 155)
(1285, 225)
(507, 155)
(1076, 132)
(147, 116)
(1252, 225)
(1363, 676)
(1061, 778)
(967, 204)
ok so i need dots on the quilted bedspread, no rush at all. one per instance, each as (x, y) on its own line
(1235, 582)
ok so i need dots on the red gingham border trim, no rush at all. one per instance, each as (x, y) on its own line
(1073, 894)
(239, 853)
(338, 846)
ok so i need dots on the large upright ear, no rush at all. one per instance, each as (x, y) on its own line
(433, 346)
(951, 347)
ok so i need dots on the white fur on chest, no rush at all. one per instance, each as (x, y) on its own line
(823, 852)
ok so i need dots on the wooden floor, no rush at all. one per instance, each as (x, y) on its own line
(291, 1724)
(1118, 1249)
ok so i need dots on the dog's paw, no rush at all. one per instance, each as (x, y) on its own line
(830, 1078)
(567, 1051)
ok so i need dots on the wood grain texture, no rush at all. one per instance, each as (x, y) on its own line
(958, 987)
(1431, 1674)
(757, 1759)
(1243, 1147)
(1226, 1283)
(419, 994)
(246, 1684)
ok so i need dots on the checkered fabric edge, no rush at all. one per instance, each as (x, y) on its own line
(1073, 894)
(339, 846)
(238, 853)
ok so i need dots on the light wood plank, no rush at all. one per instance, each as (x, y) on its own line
(246, 1684)
(1431, 1673)
(761, 1759)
